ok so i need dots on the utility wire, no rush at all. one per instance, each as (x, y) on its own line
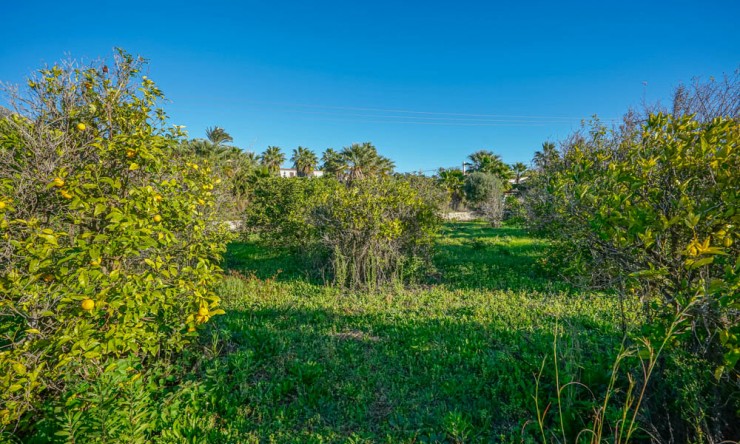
(410, 113)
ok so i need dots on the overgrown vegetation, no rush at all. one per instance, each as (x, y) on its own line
(366, 233)
(110, 249)
(484, 191)
(350, 313)
(449, 361)
(649, 212)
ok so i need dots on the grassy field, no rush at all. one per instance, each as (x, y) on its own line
(451, 360)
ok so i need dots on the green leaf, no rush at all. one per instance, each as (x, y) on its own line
(702, 262)
(99, 208)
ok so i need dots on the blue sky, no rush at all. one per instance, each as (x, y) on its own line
(427, 82)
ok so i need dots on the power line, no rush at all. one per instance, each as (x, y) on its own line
(418, 114)
(533, 124)
(432, 119)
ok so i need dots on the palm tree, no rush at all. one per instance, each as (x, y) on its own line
(333, 163)
(218, 136)
(485, 161)
(304, 161)
(518, 168)
(363, 160)
(214, 147)
(273, 159)
(383, 166)
(358, 158)
(546, 157)
(453, 181)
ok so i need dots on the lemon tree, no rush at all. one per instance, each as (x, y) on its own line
(109, 242)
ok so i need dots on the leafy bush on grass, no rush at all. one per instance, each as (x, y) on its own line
(280, 210)
(514, 211)
(365, 233)
(485, 192)
(377, 231)
(110, 244)
(653, 212)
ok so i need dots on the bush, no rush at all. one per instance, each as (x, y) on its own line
(653, 212)
(514, 211)
(365, 233)
(486, 193)
(376, 231)
(280, 209)
(110, 245)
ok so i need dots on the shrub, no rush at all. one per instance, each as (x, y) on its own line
(514, 211)
(110, 245)
(280, 208)
(376, 231)
(653, 212)
(486, 193)
(364, 233)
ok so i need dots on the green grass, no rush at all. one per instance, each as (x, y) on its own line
(450, 361)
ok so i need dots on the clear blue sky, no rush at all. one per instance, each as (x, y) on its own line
(427, 82)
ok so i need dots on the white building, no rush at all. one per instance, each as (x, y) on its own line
(292, 172)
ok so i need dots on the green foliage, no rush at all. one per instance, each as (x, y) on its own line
(272, 159)
(280, 210)
(453, 181)
(487, 162)
(304, 161)
(375, 230)
(514, 210)
(109, 239)
(356, 161)
(653, 212)
(230, 166)
(333, 163)
(364, 233)
(427, 188)
(485, 192)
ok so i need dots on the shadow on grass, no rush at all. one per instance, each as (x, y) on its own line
(473, 255)
(469, 255)
(264, 262)
(306, 374)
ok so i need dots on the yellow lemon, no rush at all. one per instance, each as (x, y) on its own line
(66, 194)
(157, 218)
(2, 205)
(58, 182)
(191, 329)
(158, 198)
(203, 311)
(130, 153)
(81, 126)
(88, 304)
